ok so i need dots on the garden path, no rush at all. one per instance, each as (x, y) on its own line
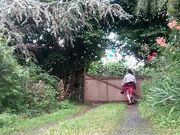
(133, 123)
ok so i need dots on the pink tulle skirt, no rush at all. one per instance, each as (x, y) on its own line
(129, 87)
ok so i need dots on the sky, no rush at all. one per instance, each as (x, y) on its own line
(113, 55)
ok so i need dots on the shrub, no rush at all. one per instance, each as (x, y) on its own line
(12, 80)
(66, 104)
(164, 87)
(7, 119)
(25, 89)
(109, 69)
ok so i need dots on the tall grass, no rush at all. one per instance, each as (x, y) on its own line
(164, 87)
(162, 93)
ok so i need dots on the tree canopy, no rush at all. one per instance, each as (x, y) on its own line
(62, 19)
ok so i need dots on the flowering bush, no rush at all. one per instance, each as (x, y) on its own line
(173, 25)
(152, 56)
(161, 41)
(174, 37)
(162, 92)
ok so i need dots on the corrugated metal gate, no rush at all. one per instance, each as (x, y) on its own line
(106, 89)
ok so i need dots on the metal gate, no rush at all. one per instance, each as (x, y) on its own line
(106, 89)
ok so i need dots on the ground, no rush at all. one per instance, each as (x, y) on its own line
(133, 123)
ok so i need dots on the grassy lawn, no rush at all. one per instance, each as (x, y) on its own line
(101, 121)
(163, 121)
(19, 124)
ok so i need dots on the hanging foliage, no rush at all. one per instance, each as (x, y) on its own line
(62, 19)
(151, 7)
(174, 8)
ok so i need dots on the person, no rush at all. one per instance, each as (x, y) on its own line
(129, 85)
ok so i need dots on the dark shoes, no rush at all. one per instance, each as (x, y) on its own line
(132, 101)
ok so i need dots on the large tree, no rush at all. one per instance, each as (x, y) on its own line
(137, 36)
(63, 36)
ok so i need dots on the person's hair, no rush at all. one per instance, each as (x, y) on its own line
(130, 71)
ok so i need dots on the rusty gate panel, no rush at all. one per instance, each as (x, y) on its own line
(94, 90)
(106, 89)
(114, 93)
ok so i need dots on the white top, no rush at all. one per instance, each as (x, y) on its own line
(129, 78)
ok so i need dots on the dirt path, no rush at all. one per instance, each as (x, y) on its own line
(133, 123)
(45, 128)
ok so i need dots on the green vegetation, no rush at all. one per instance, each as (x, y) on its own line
(109, 69)
(11, 123)
(174, 8)
(162, 91)
(25, 89)
(101, 121)
(163, 120)
(62, 38)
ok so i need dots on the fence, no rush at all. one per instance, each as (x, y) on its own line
(106, 89)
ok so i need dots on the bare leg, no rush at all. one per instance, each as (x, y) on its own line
(129, 97)
(132, 99)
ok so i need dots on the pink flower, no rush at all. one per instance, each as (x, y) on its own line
(161, 41)
(172, 24)
(150, 58)
(154, 54)
(177, 27)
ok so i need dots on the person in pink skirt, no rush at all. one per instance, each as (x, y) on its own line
(129, 86)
